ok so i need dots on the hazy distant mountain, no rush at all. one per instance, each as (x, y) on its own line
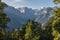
(27, 13)
(14, 16)
(17, 17)
(44, 14)
(21, 15)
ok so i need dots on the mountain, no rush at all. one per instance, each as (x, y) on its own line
(14, 15)
(44, 14)
(19, 16)
(27, 13)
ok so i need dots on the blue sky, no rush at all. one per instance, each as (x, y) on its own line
(30, 3)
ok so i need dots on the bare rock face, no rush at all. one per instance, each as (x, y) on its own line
(19, 16)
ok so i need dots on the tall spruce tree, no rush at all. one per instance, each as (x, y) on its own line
(3, 21)
(33, 30)
(28, 30)
(56, 22)
(3, 17)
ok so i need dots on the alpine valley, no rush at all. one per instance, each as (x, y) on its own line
(19, 16)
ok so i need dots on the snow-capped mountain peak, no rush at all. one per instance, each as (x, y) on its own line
(18, 19)
(22, 10)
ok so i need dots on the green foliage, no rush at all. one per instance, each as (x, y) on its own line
(47, 33)
(2, 34)
(3, 21)
(56, 24)
(56, 34)
(2, 5)
(16, 34)
(36, 38)
(22, 32)
(57, 13)
(58, 1)
(3, 17)
(28, 30)
(32, 30)
(13, 35)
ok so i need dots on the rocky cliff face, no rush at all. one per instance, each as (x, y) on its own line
(19, 16)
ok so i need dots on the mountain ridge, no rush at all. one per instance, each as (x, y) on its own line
(21, 15)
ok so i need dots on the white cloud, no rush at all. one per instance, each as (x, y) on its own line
(16, 1)
(19, 0)
(42, 7)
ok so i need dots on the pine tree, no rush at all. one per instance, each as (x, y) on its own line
(28, 30)
(56, 24)
(3, 17)
(33, 30)
(3, 20)
(46, 33)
